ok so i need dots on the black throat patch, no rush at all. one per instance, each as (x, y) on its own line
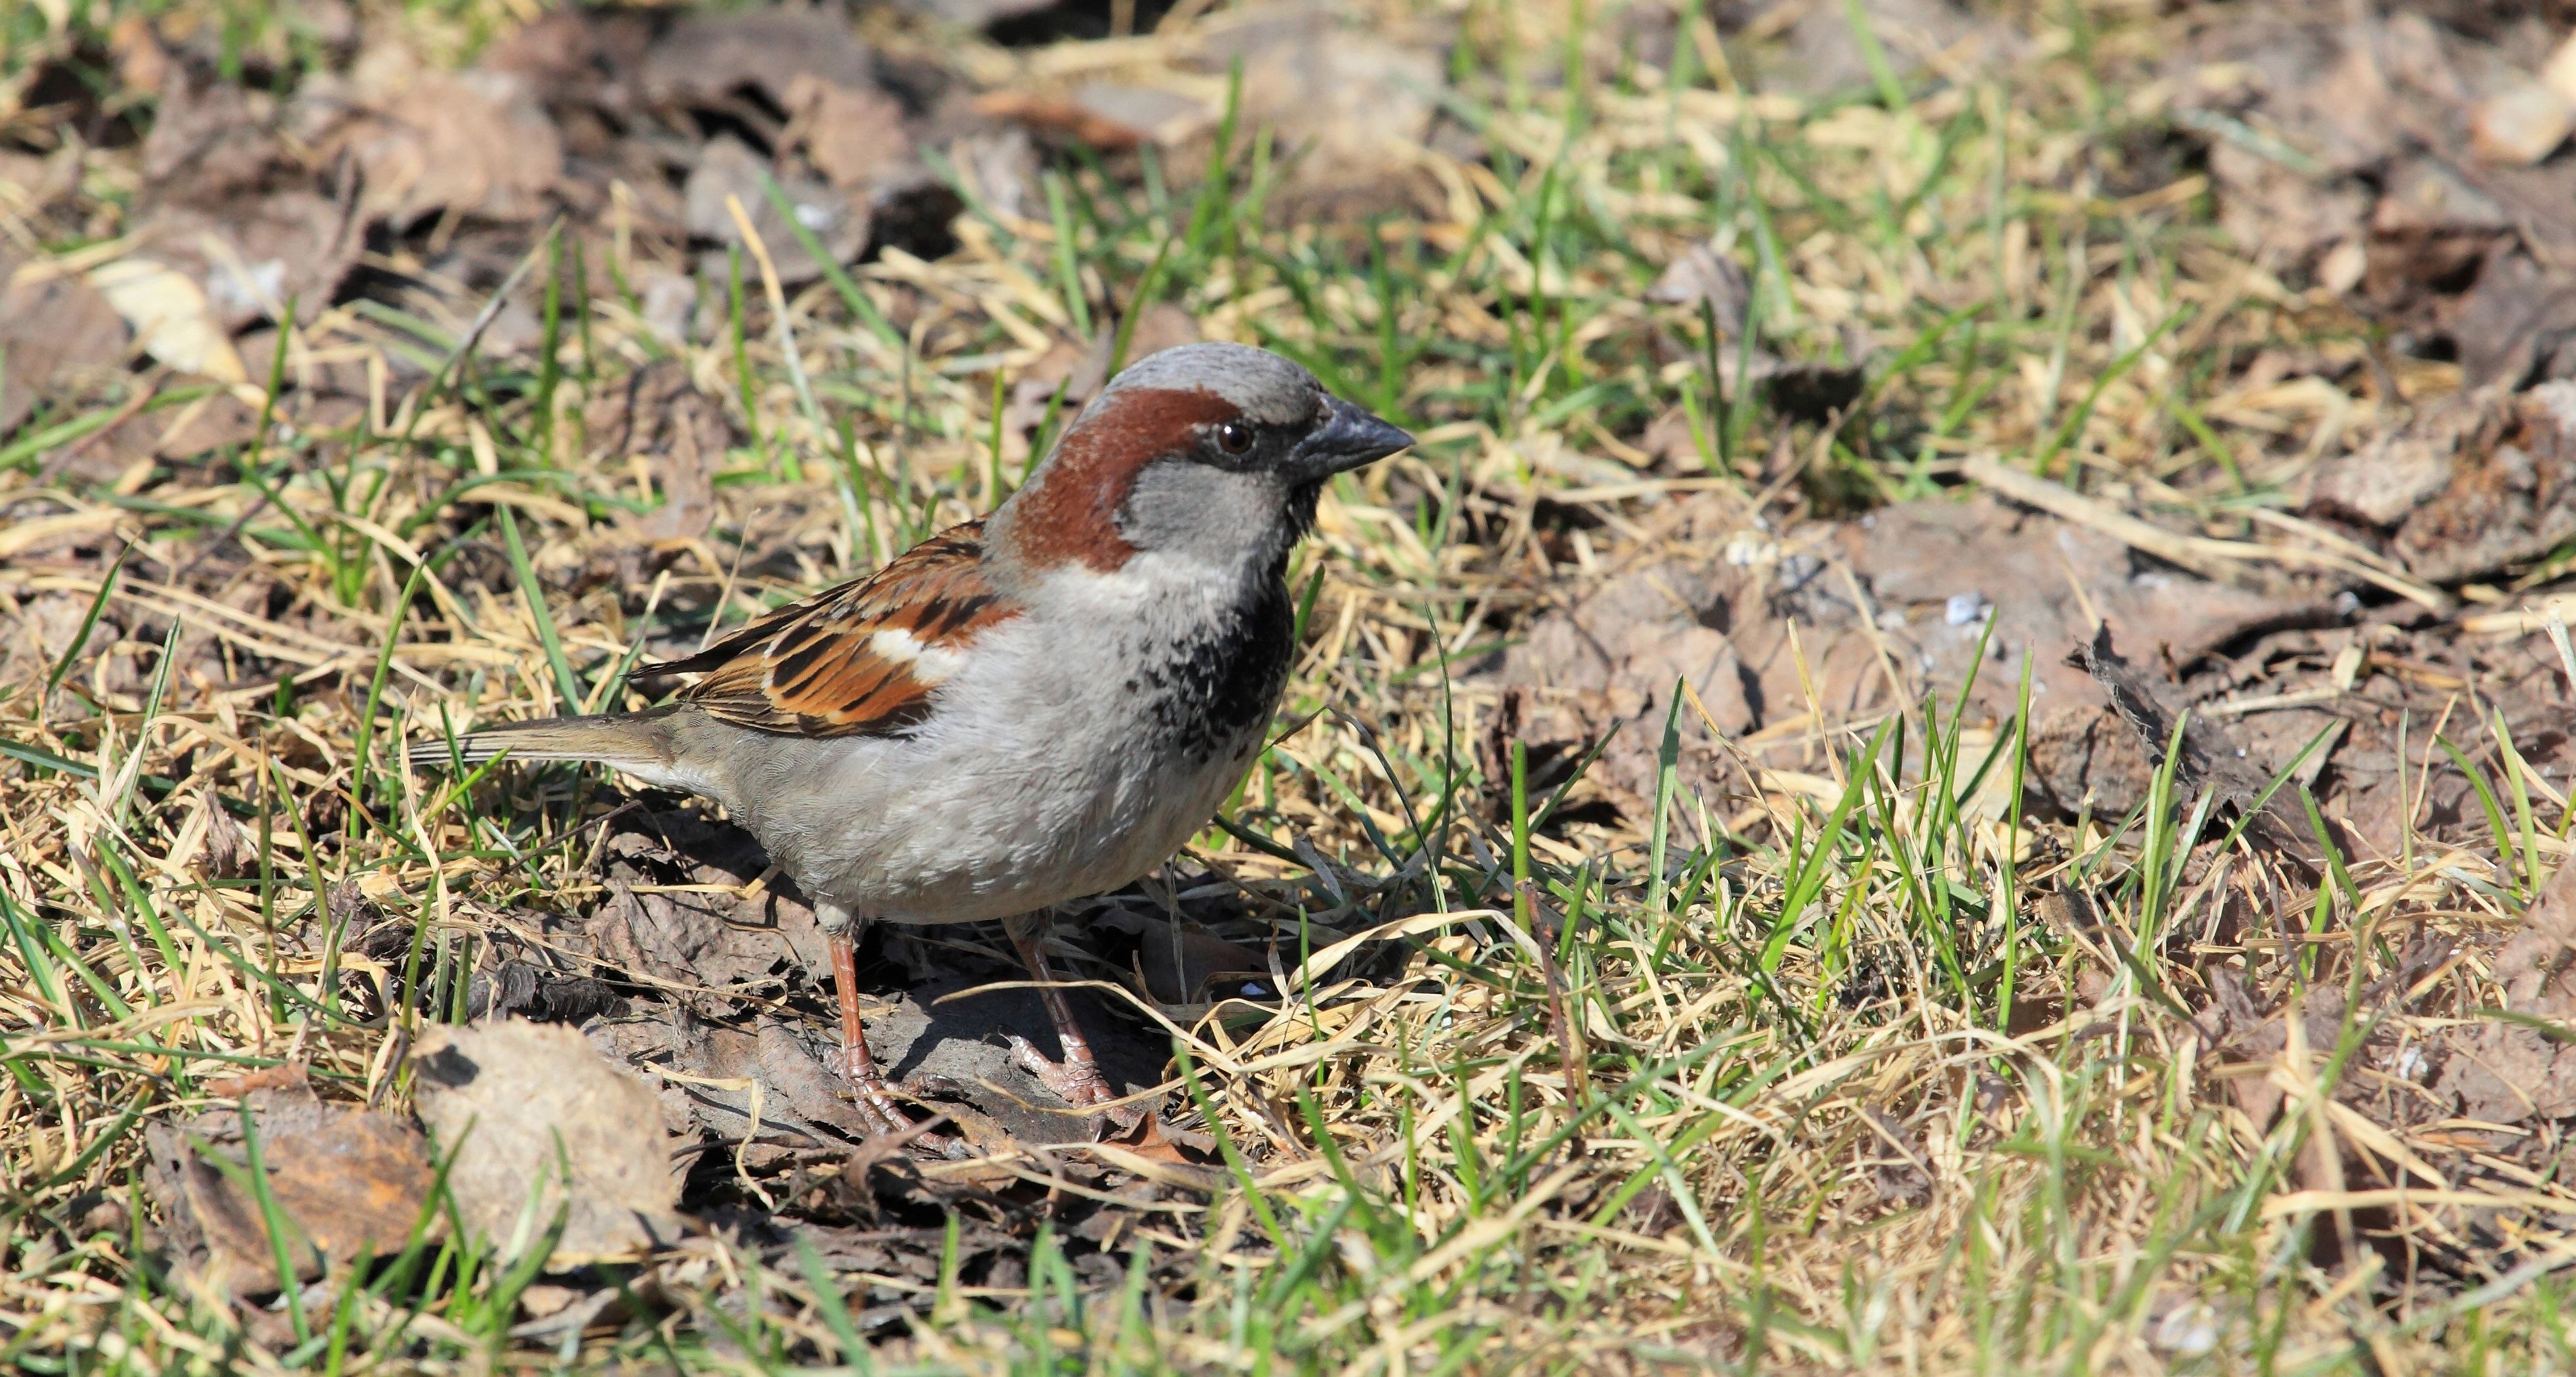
(1204, 693)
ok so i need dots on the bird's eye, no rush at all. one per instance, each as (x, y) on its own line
(1234, 437)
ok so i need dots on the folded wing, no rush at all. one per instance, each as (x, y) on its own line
(858, 660)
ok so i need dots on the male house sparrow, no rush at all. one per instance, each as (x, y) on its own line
(1025, 709)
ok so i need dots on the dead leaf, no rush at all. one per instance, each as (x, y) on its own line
(709, 55)
(52, 330)
(540, 1300)
(658, 415)
(1707, 273)
(30, 184)
(2249, 1039)
(2521, 124)
(1175, 962)
(2503, 1072)
(1824, 55)
(1950, 559)
(699, 939)
(728, 170)
(1001, 169)
(343, 1179)
(2386, 480)
(169, 313)
(787, 1065)
(253, 254)
(709, 1073)
(212, 140)
(1612, 658)
(475, 142)
(228, 852)
(211, 422)
(2511, 497)
(1149, 1141)
(973, 14)
(2316, 123)
(2209, 756)
(679, 938)
(854, 136)
(1345, 159)
(143, 66)
(533, 990)
(2432, 224)
(2516, 325)
(1109, 117)
(2086, 757)
(540, 1124)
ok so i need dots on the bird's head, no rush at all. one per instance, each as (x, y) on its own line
(1208, 451)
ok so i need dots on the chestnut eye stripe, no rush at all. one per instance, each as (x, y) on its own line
(1068, 513)
(860, 659)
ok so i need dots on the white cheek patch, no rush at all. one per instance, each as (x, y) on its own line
(930, 664)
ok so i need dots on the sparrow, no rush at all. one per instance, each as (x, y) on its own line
(1026, 709)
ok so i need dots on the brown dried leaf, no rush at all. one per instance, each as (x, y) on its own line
(53, 329)
(2380, 484)
(728, 169)
(973, 14)
(211, 140)
(1825, 55)
(211, 422)
(854, 135)
(2210, 754)
(709, 55)
(1706, 273)
(682, 938)
(2517, 324)
(2521, 124)
(229, 852)
(254, 253)
(2505, 1072)
(1347, 159)
(659, 414)
(30, 184)
(1108, 117)
(170, 316)
(1149, 1141)
(475, 143)
(343, 1180)
(1176, 962)
(521, 1105)
(2511, 498)
(143, 66)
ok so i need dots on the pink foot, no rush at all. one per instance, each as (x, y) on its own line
(1077, 1081)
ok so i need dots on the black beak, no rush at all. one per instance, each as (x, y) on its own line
(1349, 437)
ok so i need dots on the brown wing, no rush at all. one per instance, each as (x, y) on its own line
(857, 660)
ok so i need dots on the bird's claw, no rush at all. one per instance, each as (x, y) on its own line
(1076, 1081)
(884, 1116)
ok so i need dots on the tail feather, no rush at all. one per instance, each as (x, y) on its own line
(637, 742)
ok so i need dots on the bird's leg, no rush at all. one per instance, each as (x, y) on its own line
(1077, 1078)
(875, 1103)
(889, 1127)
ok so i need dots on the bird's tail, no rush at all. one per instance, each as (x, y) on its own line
(638, 742)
